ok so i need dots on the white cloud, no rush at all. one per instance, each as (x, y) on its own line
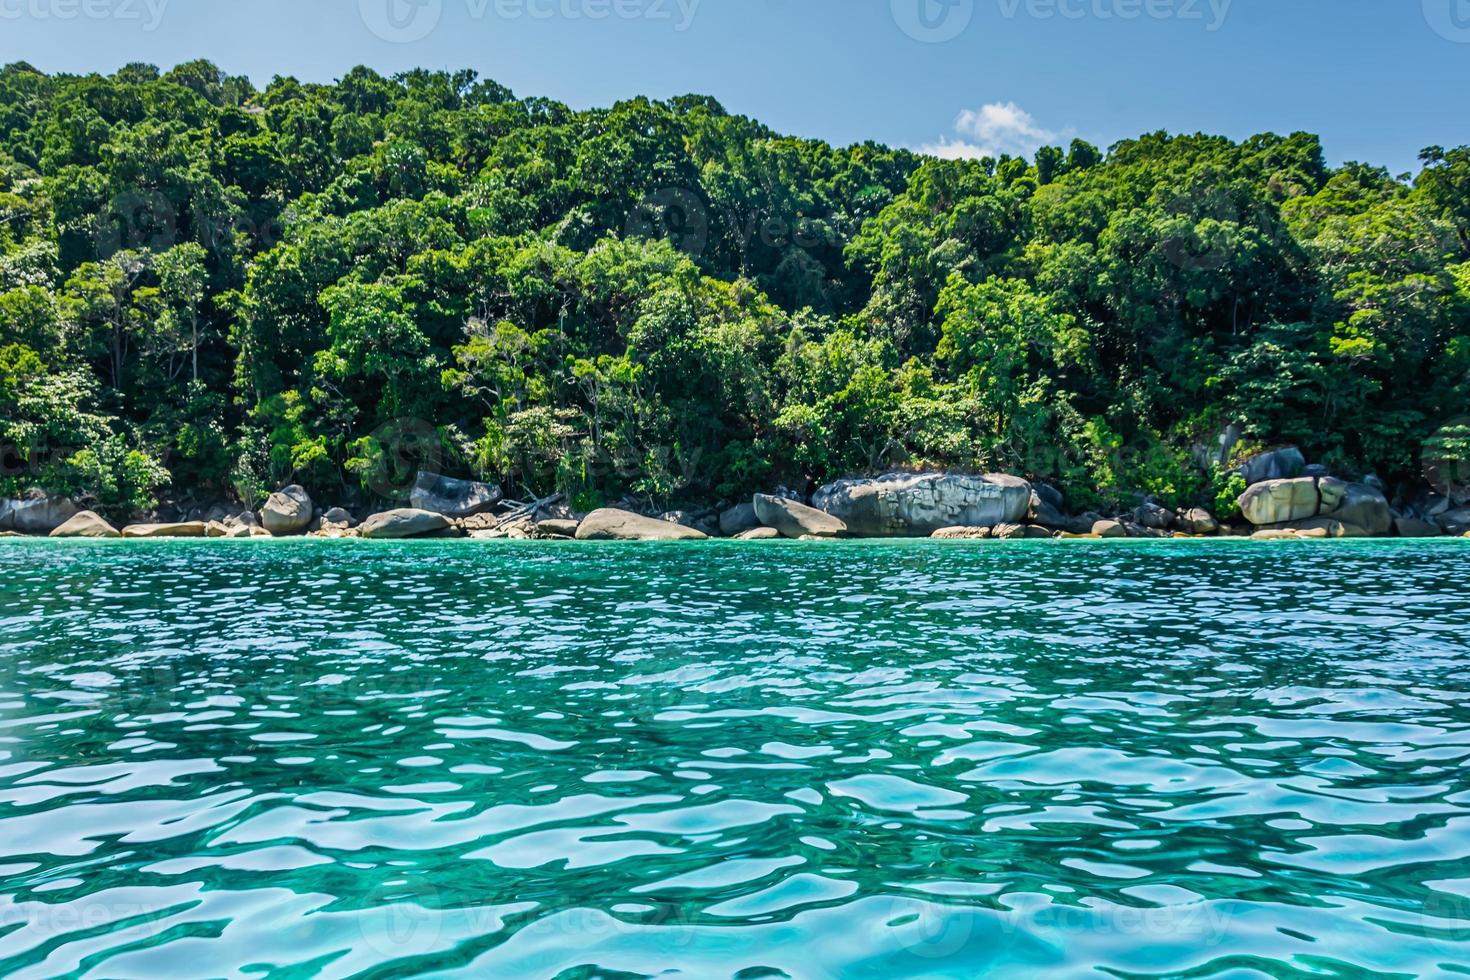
(990, 131)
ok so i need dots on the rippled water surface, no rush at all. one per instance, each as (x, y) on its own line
(488, 759)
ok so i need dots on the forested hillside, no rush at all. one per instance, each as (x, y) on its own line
(209, 289)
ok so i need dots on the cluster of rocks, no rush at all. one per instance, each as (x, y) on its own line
(1285, 498)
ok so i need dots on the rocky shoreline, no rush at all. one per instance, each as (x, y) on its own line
(1285, 500)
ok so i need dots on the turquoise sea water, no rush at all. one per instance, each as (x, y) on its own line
(503, 759)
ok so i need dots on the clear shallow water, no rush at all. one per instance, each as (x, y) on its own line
(859, 760)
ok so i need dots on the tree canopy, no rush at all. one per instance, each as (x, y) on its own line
(208, 289)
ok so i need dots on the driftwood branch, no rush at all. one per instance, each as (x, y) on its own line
(522, 511)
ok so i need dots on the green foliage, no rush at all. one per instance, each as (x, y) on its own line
(115, 478)
(1225, 490)
(333, 284)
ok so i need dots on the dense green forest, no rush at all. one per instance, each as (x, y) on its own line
(210, 290)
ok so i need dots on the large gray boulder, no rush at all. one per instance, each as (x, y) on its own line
(1284, 501)
(1197, 520)
(1413, 527)
(86, 524)
(1153, 516)
(1365, 507)
(1278, 464)
(451, 497)
(739, 519)
(796, 520)
(610, 524)
(35, 514)
(1046, 509)
(915, 505)
(1455, 522)
(288, 511)
(402, 523)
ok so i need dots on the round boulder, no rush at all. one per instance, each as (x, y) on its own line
(1364, 506)
(796, 520)
(1197, 520)
(1284, 501)
(739, 519)
(610, 524)
(288, 511)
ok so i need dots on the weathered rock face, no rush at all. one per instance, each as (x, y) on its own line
(39, 514)
(336, 517)
(185, 529)
(452, 498)
(1360, 507)
(86, 525)
(1279, 464)
(1109, 529)
(915, 505)
(1046, 511)
(287, 511)
(1455, 522)
(610, 524)
(796, 520)
(739, 519)
(962, 534)
(1154, 516)
(759, 534)
(1413, 527)
(1284, 501)
(1197, 520)
(1365, 507)
(402, 523)
(1080, 524)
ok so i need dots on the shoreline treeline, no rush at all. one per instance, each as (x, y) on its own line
(209, 289)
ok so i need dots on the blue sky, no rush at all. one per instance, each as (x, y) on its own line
(1379, 79)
